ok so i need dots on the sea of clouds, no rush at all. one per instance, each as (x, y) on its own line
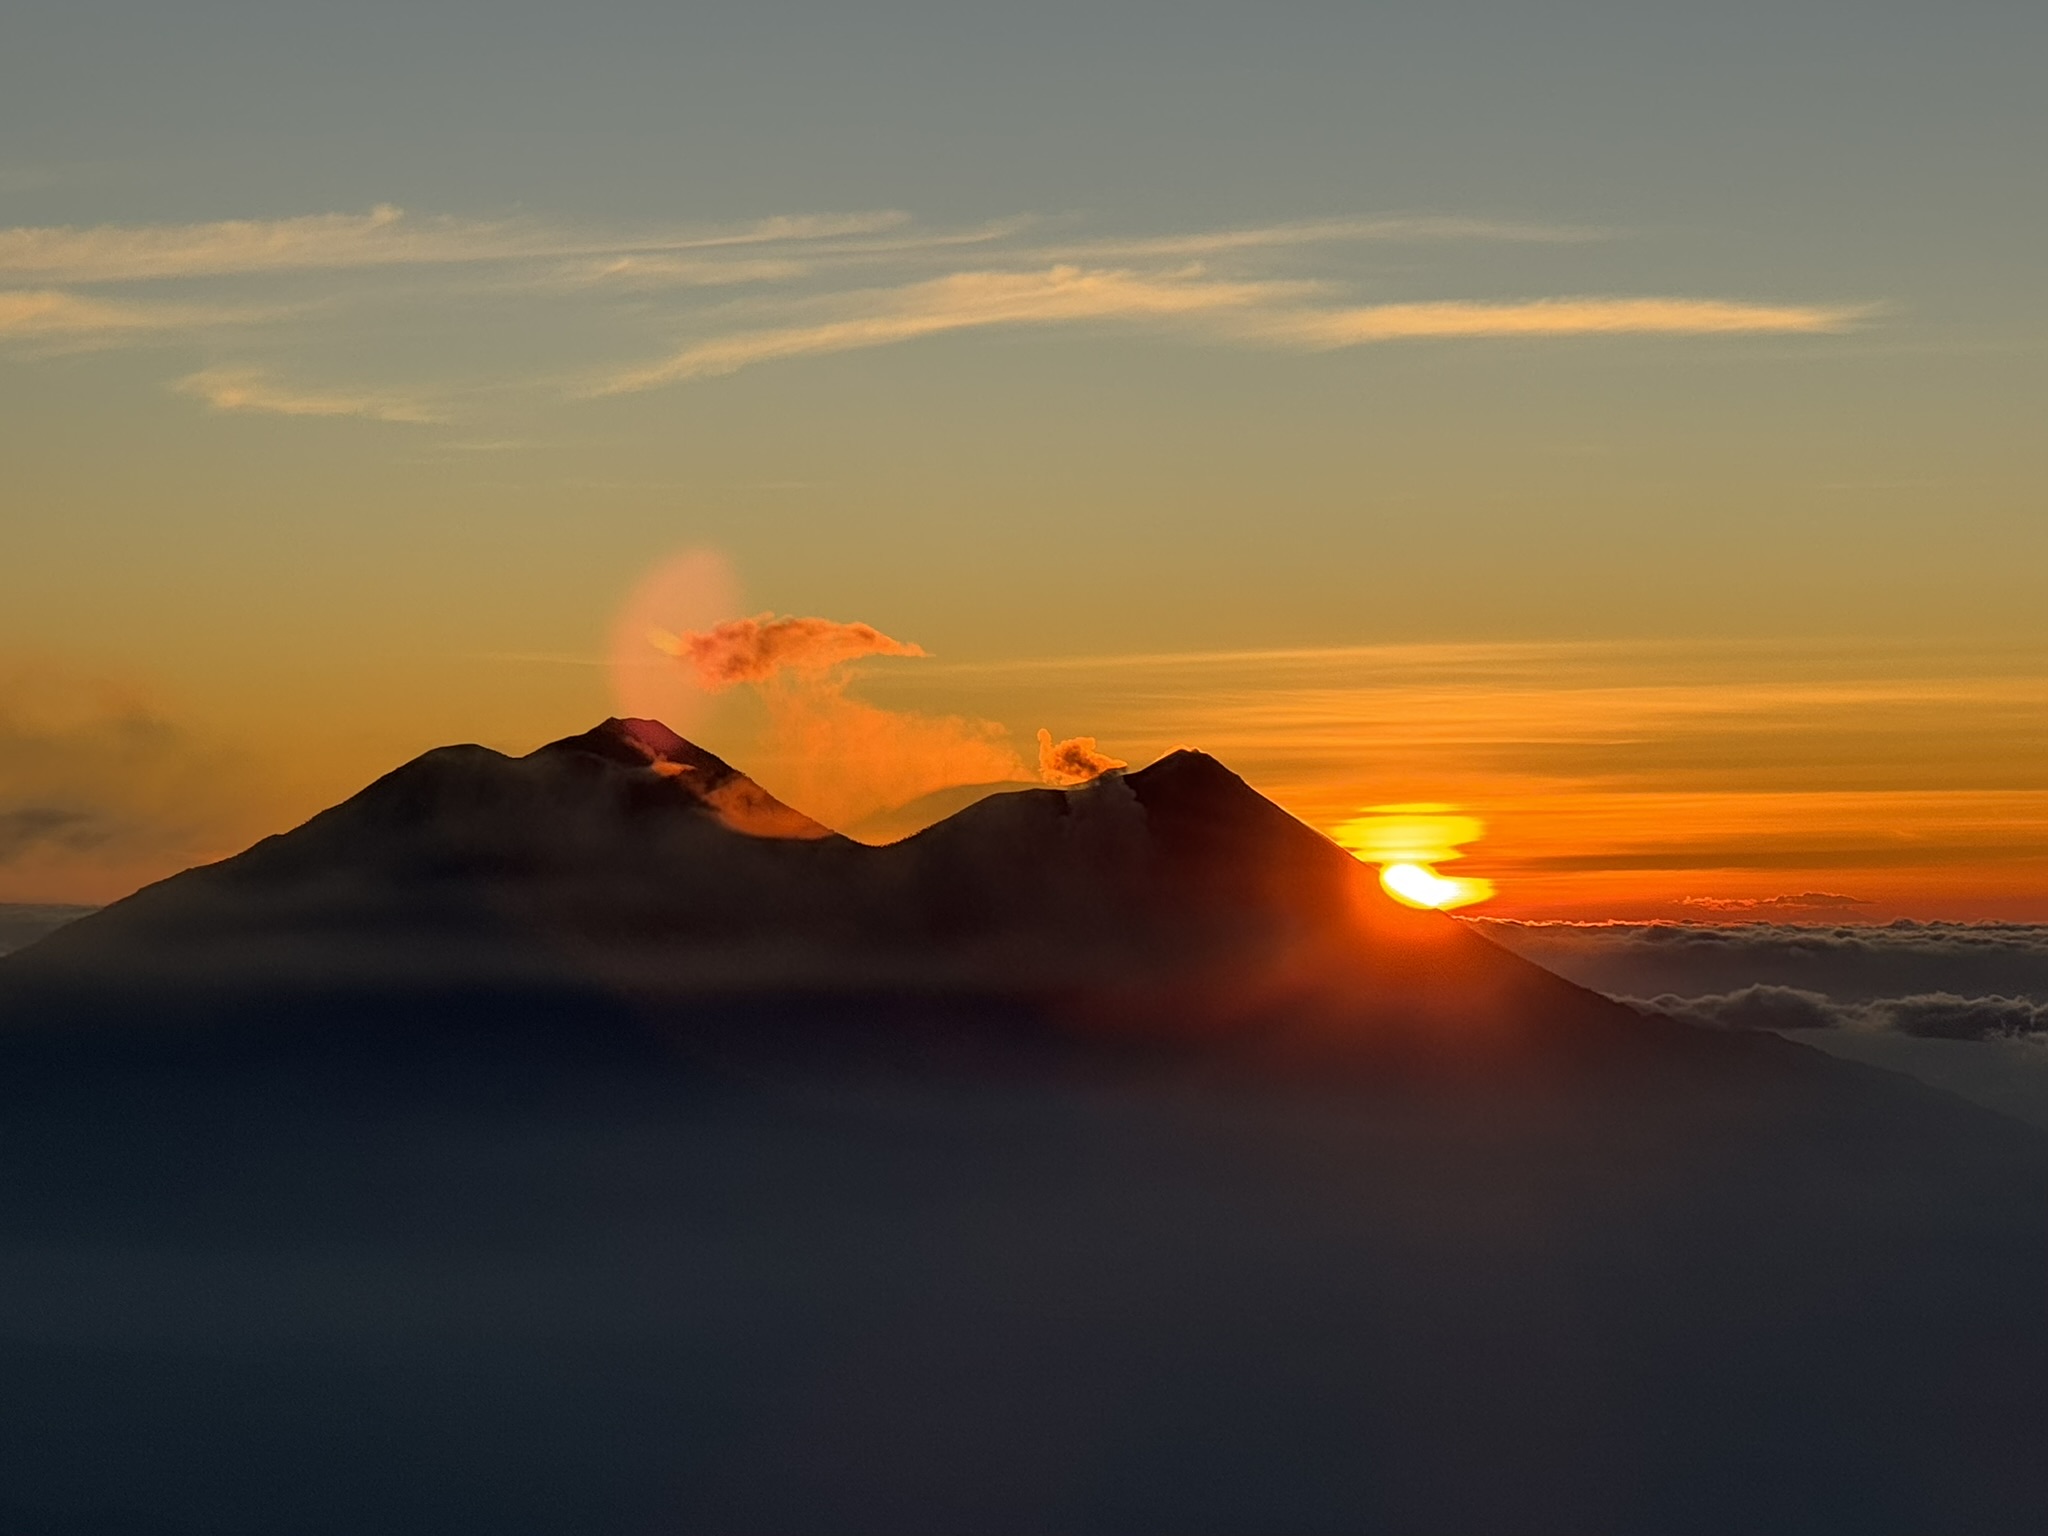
(1947, 981)
(1961, 1006)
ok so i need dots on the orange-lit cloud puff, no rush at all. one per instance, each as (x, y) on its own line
(1073, 761)
(754, 650)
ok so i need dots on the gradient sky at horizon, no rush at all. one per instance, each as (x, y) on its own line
(1619, 422)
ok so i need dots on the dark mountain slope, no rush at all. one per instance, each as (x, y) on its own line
(521, 1146)
(627, 859)
(626, 872)
(463, 868)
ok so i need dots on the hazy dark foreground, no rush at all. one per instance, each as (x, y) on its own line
(505, 1266)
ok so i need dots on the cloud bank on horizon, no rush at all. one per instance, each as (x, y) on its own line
(1963, 1006)
(820, 284)
(1922, 1015)
(1946, 981)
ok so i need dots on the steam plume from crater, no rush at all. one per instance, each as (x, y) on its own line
(1073, 761)
(840, 758)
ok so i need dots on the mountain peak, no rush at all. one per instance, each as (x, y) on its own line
(1188, 766)
(1192, 793)
(641, 743)
(736, 800)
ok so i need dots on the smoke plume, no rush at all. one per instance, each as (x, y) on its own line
(836, 757)
(1073, 761)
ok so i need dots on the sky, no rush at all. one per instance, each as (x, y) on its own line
(1614, 429)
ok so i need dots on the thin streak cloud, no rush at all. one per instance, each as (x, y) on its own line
(1555, 317)
(1328, 231)
(253, 391)
(50, 313)
(1242, 311)
(385, 236)
(659, 270)
(962, 301)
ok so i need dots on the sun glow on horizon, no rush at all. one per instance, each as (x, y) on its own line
(1417, 885)
(1407, 841)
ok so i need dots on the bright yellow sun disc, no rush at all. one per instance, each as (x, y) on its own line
(1420, 886)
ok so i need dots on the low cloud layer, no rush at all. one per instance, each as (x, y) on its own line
(1946, 981)
(1925, 1016)
(1852, 963)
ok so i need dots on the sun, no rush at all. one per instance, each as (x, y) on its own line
(1420, 886)
(1408, 841)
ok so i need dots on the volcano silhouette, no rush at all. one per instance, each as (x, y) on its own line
(588, 1141)
(1172, 902)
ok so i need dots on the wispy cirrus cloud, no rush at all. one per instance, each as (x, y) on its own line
(662, 270)
(827, 283)
(1265, 311)
(1300, 232)
(385, 236)
(1588, 316)
(960, 301)
(51, 314)
(255, 391)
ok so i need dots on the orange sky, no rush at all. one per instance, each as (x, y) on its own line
(1623, 779)
(1629, 435)
(1841, 781)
